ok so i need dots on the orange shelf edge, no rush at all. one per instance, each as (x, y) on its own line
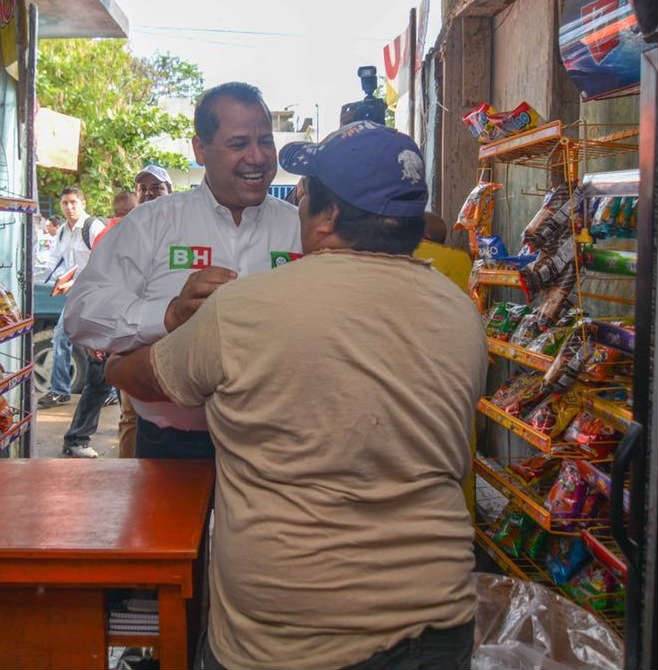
(517, 354)
(16, 329)
(15, 431)
(13, 380)
(523, 430)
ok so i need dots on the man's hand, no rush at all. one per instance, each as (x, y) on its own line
(198, 287)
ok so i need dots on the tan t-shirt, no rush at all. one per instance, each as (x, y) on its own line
(339, 392)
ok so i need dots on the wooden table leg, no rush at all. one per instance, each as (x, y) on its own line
(173, 629)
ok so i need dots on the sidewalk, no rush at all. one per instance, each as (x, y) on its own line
(53, 423)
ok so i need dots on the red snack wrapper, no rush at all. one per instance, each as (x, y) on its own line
(566, 498)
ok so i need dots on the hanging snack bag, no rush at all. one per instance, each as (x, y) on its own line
(610, 261)
(593, 434)
(503, 319)
(548, 342)
(521, 118)
(601, 364)
(556, 297)
(567, 496)
(553, 414)
(566, 557)
(518, 393)
(605, 218)
(526, 331)
(476, 214)
(553, 200)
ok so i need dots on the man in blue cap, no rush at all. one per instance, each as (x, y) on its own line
(339, 393)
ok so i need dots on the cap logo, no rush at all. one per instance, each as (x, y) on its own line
(412, 166)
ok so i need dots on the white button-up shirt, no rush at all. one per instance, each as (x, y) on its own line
(118, 303)
(70, 248)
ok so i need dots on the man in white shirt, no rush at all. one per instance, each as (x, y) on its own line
(154, 270)
(69, 254)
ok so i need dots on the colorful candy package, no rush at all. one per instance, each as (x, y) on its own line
(553, 414)
(511, 532)
(567, 496)
(476, 214)
(518, 393)
(605, 217)
(536, 468)
(600, 365)
(593, 433)
(6, 415)
(556, 297)
(479, 123)
(553, 200)
(487, 125)
(548, 342)
(566, 557)
(526, 331)
(610, 261)
(503, 318)
(591, 587)
(535, 544)
(569, 362)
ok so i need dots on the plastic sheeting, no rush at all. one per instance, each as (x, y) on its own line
(525, 626)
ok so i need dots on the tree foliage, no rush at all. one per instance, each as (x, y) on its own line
(116, 96)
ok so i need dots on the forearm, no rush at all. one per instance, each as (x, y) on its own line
(134, 374)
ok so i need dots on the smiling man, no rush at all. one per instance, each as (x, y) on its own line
(167, 256)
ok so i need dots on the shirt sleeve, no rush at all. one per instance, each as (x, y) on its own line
(187, 363)
(106, 308)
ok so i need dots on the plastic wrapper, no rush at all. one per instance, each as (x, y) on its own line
(593, 433)
(526, 331)
(503, 319)
(535, 543)
(548, 342)
(536, 468)
(553, 414)
(553, 200)
(556, 297)
(548, 268)
(525, 626)
(618, 335)
(518, 393)
(610, 261)
(476, 214)
(593, 586)
(487, 125)
(511, 531)
(569, 362)
(567, 496)
(566, 557)
(600, 365)
(601, 46)
(604, 218)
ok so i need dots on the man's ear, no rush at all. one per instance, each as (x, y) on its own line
(327, 224)
(199, 153)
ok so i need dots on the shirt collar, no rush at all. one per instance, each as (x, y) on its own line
(248, 213)
(80, 222)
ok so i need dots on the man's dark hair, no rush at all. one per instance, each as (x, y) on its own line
(73, 190)
(365, 231)
(206, 122)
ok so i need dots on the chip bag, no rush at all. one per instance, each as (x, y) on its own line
(476, 214)
(518, 393)
(503, 318)
(567, 496)
(553, 414)
(566, 557)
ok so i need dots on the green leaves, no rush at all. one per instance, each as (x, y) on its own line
(116, 96)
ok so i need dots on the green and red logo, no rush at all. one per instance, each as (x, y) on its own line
(189, 258)
(280, 258)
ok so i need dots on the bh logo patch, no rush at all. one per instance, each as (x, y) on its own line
(189, 258)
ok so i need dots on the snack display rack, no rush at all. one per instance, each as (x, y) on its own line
(16, 370)
(564, 151)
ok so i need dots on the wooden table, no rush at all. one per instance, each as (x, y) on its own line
(70, 529)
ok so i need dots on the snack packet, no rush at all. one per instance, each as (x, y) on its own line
(610, 261)
(526, 331)
(535, 544)
(479, 123)
(535, 469)
(518, 393)
(511, 532)
(605, 217)
(555, 298)
(567, 496)
(503, 318)
(6, 415)
(566, 557)
(592, 585)
(553, 200)
(593, 434)
(553, 414)
(476, 214)
(548, 342)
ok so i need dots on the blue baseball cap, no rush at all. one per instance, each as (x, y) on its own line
(369, 166)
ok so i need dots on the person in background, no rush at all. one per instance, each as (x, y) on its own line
(340, 393)
(46, 239)
(69, 256)
(167, 256)
(151, 183)
(96, 391)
